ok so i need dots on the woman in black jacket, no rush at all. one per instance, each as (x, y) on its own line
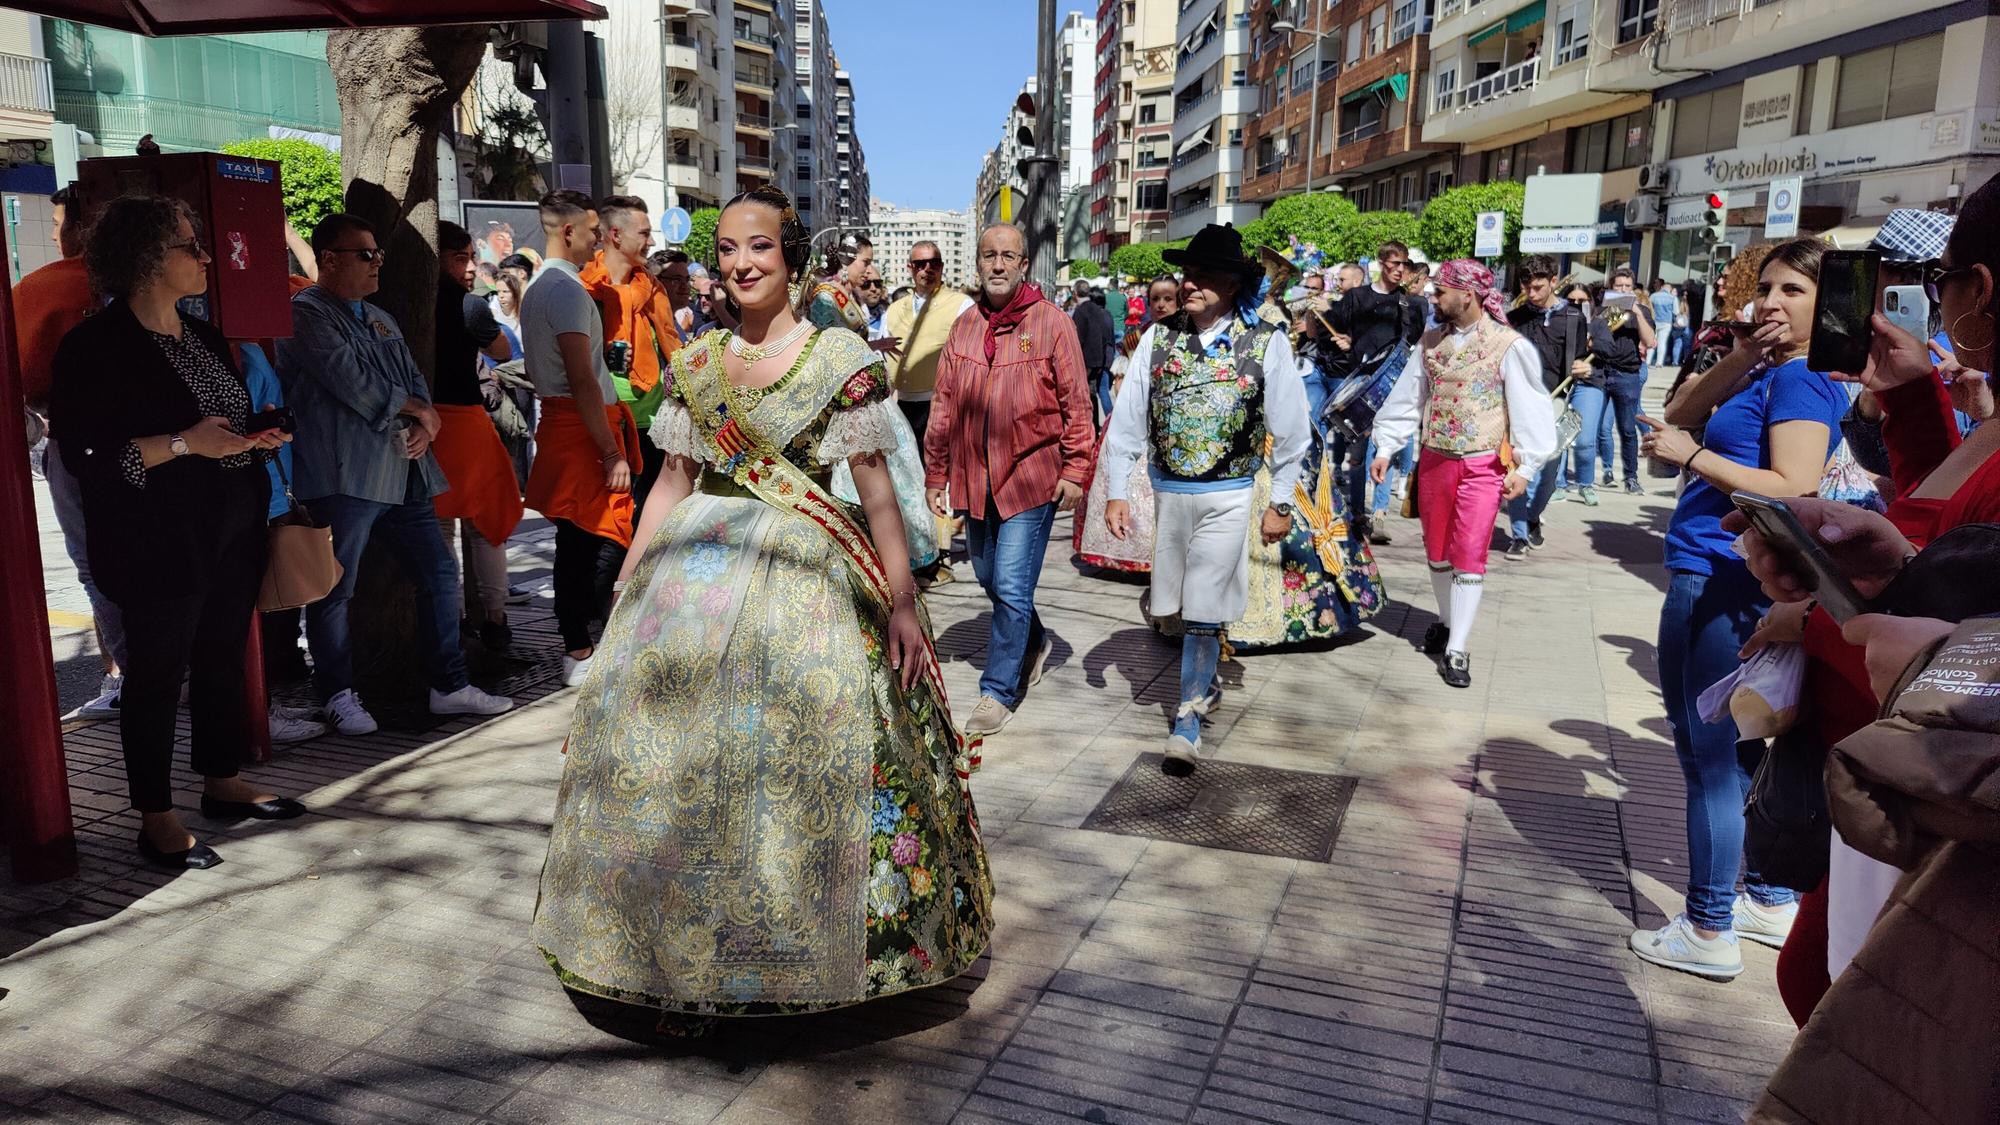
(153, 415)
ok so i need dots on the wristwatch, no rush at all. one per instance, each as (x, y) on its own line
(1284, 510)
(177, 444)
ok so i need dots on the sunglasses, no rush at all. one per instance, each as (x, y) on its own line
(194, 248)
(925, 263)
(371, 254)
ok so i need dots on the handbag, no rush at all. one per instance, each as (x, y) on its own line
(301, 568)
(1787, 828)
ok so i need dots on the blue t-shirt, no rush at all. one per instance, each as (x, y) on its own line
(1666, 306)
(265, 390)
(1740, 430)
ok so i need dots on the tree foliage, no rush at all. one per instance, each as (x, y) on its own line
(1315, 217)
(309, 175)
(1142, 259)
(1448, 227)
(1084, 268)
(700, 244)
(1363, 235)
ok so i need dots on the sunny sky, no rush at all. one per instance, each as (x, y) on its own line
(932, 83)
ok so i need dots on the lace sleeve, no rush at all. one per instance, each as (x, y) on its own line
(854, 430)
(672, 432)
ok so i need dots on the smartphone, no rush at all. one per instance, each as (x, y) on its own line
(1908, 307)
(1782, 530)
(277, 418)
(1840, 334)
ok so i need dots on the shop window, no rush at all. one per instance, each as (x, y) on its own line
(1889, 82)
(1707, 122)
(1607, 146)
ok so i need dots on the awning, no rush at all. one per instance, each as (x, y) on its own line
(1398, 86)
(1482, 35)
(1853, 236)
(1527, 17)
(1195, 139)
(181, 17)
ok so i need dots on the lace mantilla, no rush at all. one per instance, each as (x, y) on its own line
(867, 428)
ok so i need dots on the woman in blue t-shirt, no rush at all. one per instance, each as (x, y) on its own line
(1771, 425)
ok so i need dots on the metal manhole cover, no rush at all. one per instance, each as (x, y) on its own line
(1230, 806)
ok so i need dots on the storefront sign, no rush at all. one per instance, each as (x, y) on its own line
(1781, 207)
(1760, 167)
(1897, 144)
(1488, 233)
(1686, 214)
(1763, 111)
(1611, 225)
(1558, 240)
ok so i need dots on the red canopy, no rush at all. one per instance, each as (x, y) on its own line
(208, 17)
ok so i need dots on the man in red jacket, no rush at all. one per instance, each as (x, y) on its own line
(1010, 437)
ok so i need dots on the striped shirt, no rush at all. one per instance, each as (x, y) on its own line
(1012, 428)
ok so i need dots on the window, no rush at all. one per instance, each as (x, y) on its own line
(1354, 33)
(1239, 78)
(1360, 197)
(1889, 82)
(1706, 122)
(1149, 113)
(1151, 195)
(1443, 85)
(1607, 146)
(1802, 111)
(1636, 19)
(1413, 18)
(1360, 119)
(1572, 31)
(1378, 30)
(1510, 163)
(1302, 70)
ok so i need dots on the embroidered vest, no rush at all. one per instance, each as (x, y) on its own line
(1468, 404)
(1206, 413)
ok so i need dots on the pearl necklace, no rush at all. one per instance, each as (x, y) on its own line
(758, 353)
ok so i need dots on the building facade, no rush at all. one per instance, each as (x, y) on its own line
(851, 197)
(1213, 101)
(897, 230)
(816, 140)
(1133, 139)
(764, 92)
(1076, 103)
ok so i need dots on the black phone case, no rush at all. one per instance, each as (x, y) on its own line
(1836, 347)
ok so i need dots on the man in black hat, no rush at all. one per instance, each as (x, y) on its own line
(1203, 391)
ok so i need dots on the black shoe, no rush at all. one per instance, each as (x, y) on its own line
(201, 857)
(1457, 670)
(519, 595)
(1434, 639)
(1517, 550)
(1535, 537)
(496, 636)
(277, 808)
(1635, 488)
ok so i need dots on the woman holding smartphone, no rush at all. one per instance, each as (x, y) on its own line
(1770, 425)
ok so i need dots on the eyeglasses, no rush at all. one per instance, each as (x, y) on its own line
(925, 263)
(1396, 263)
(364, 254)
(194, 248)
(1008, 256)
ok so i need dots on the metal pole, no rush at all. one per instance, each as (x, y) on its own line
(1312, 125)
(1043, 188)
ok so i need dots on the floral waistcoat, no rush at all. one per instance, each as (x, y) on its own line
(1207, 411)
(1468, 406)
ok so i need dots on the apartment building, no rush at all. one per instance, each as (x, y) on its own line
(1340, 94)
(764, 92)
(1132, 144)
(897, 230)
(815, 138)
(852, 190)
(1076, 63)
(1873, 104)
(1213, 101)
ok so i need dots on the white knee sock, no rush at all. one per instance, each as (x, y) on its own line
(1465, 592)
(1441, 586)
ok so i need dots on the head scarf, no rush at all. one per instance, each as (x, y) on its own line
(1466, 274)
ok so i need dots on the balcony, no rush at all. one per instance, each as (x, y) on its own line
(1520, 76)
(746, 119)
(1717, 34)
(25, 85)
(749, 161)
(1184, 159)
(755, 76)
(1361, 133)
(756, 39)
(683, 118)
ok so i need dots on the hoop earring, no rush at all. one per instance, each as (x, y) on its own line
(1957, 344)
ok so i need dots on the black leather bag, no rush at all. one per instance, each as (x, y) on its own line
(1787, 830)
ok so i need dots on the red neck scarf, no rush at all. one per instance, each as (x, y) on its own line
(1007, 319)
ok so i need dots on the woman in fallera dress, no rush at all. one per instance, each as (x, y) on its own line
(764, 807)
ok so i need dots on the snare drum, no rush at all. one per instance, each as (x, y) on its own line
(1353, 407)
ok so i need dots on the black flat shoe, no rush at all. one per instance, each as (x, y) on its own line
(277, 808)
(1434, 639)
(1457, 670)
(201, 857)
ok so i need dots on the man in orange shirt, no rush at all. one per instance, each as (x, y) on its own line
(637, 313)
(47, 304)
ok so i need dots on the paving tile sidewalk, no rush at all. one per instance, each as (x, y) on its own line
(1461, 958)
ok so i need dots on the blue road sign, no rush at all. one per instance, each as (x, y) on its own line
(676, 225)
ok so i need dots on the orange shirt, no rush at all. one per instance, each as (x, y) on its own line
(47, 304)
(638, 313)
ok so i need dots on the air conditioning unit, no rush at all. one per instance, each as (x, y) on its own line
(1656, 177)
(1642, 211)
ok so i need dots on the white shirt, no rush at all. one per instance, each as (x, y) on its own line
(1286, 413)
(1531, 412)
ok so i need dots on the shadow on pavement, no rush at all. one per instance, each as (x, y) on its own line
(1636, 546)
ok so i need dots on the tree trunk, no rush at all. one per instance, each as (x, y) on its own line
(396, 87)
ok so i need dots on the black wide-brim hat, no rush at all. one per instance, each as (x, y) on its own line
(1217, 247)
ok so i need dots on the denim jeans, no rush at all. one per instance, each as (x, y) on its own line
(66, 493)
(1527, 508)
(1677, 343)
(1705, 620)
(1100, 384)
(1624, 389)
(1588, 400)
(411, 531)
(1319, 388)
(1400, 464)
(1007, 559)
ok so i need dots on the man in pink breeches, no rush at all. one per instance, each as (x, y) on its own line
(1472, 393)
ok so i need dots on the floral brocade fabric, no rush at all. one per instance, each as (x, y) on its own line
(1294, 595)
(754, 818)
(1206, 411)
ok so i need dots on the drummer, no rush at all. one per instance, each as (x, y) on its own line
(1373, 318)
(1204, 390)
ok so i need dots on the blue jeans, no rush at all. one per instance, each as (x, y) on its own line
(411, 531)
(1007, 559)
(1588, 400)
(1319, 388)
(1526, 509)
(1705, 620)
(1400, 463)
(1677, 343)
(1624, 389)
(1101, 388)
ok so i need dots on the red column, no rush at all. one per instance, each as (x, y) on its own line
(256, 704)
(36, 779)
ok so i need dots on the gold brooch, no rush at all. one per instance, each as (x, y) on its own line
(1027, 345)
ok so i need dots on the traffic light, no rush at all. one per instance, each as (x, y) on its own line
(1024, 135)
(1714, 219)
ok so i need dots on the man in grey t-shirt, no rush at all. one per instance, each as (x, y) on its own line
(586, 444)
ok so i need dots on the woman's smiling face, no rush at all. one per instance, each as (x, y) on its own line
(751, 255)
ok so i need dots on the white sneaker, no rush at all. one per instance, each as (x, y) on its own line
(575, 670)
(105, 706)
(1676, 946)
(1765, 925)
(287, 729)
(469, 700)
(1180, 756)
(988, 717)
(347, 716)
